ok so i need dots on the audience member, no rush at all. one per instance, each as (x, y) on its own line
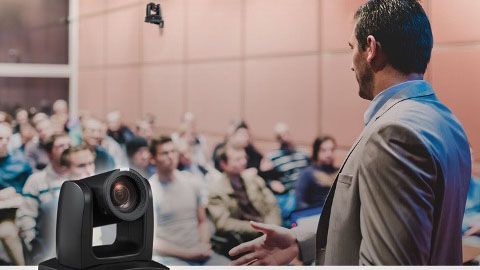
(41, 187)
(182, 234)
(14, 167)
(239, 136)
(144, 129)
(79, 163)
(188, 133)
(238, 197)
(92, 134)
(35, 149)
(287, 161)
(14, 170)
(117, 130)
(315, 181)
(139, 156)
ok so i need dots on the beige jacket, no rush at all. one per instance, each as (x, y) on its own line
(225, 212)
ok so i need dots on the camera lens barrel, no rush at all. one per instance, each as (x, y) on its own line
(126, 195)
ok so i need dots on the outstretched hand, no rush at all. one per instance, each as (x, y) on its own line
(277, 246)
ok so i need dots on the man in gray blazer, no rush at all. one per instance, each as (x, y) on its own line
(400, 194)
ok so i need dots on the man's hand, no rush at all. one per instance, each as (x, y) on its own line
(278, 246)
(474, 230)
(277, 186)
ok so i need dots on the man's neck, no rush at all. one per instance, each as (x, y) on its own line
(391, 77)
(165, 176)
(58, 169)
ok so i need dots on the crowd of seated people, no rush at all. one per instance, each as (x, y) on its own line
(203, 200)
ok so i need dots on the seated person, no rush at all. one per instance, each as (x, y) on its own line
(239, 196)
(79, 163)
(14, 171)
(287, 161)
(182, 235)
(42, 185)
(315, 181)
(139, 157)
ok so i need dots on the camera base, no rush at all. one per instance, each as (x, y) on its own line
(53, 264)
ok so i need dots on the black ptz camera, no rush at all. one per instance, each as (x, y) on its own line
(154, 14)
(121, 197)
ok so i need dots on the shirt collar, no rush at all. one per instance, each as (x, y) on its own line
(377, 103)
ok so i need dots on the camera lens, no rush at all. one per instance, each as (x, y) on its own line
(124, 195)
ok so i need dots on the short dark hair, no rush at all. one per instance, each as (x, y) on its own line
(48, 146)
(157, 142)
(317, 143)
(66, 155)
(403, 30)
(135, 144)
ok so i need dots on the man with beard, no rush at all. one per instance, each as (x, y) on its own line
(400, 194)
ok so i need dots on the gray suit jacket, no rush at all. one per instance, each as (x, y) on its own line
(400, 195)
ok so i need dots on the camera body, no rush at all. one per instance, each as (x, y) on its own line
(154, 14)
(121, 197)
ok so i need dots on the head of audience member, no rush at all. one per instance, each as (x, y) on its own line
(21, 117)
(79, 161)
(5, 117)
(55, 146)
(5, 135)
(27, 133)
(138, 154)
(114, 121)
(233, 161)
(392, 42)
(282, 135)
(144, 129)
(44, 129)
(38, 117)
(60, 107)
(59, 121)
(164, 156)
(188, 128)
(184, 153)
(323, 152)
(93, 132)
(240, 138)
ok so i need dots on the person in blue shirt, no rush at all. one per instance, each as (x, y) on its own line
(14, 171)
(315, 181)
(14, 167)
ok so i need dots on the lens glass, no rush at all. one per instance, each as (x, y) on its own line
(124, 194)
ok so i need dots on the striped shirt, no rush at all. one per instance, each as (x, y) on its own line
(288, 163)
(39, 189)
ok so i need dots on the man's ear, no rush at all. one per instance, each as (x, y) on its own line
(372, 48)
(375, 56)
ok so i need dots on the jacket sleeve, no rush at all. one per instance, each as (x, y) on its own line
(397, 177)
(222, 219)
(272, 214)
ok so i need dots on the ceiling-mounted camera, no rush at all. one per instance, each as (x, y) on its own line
(154, 14)
(121, 197)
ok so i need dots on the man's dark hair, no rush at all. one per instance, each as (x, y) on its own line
(403, 30)
(66, 155)
(157, 142)
(317, 143)
(135, 144)
(48, 145)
